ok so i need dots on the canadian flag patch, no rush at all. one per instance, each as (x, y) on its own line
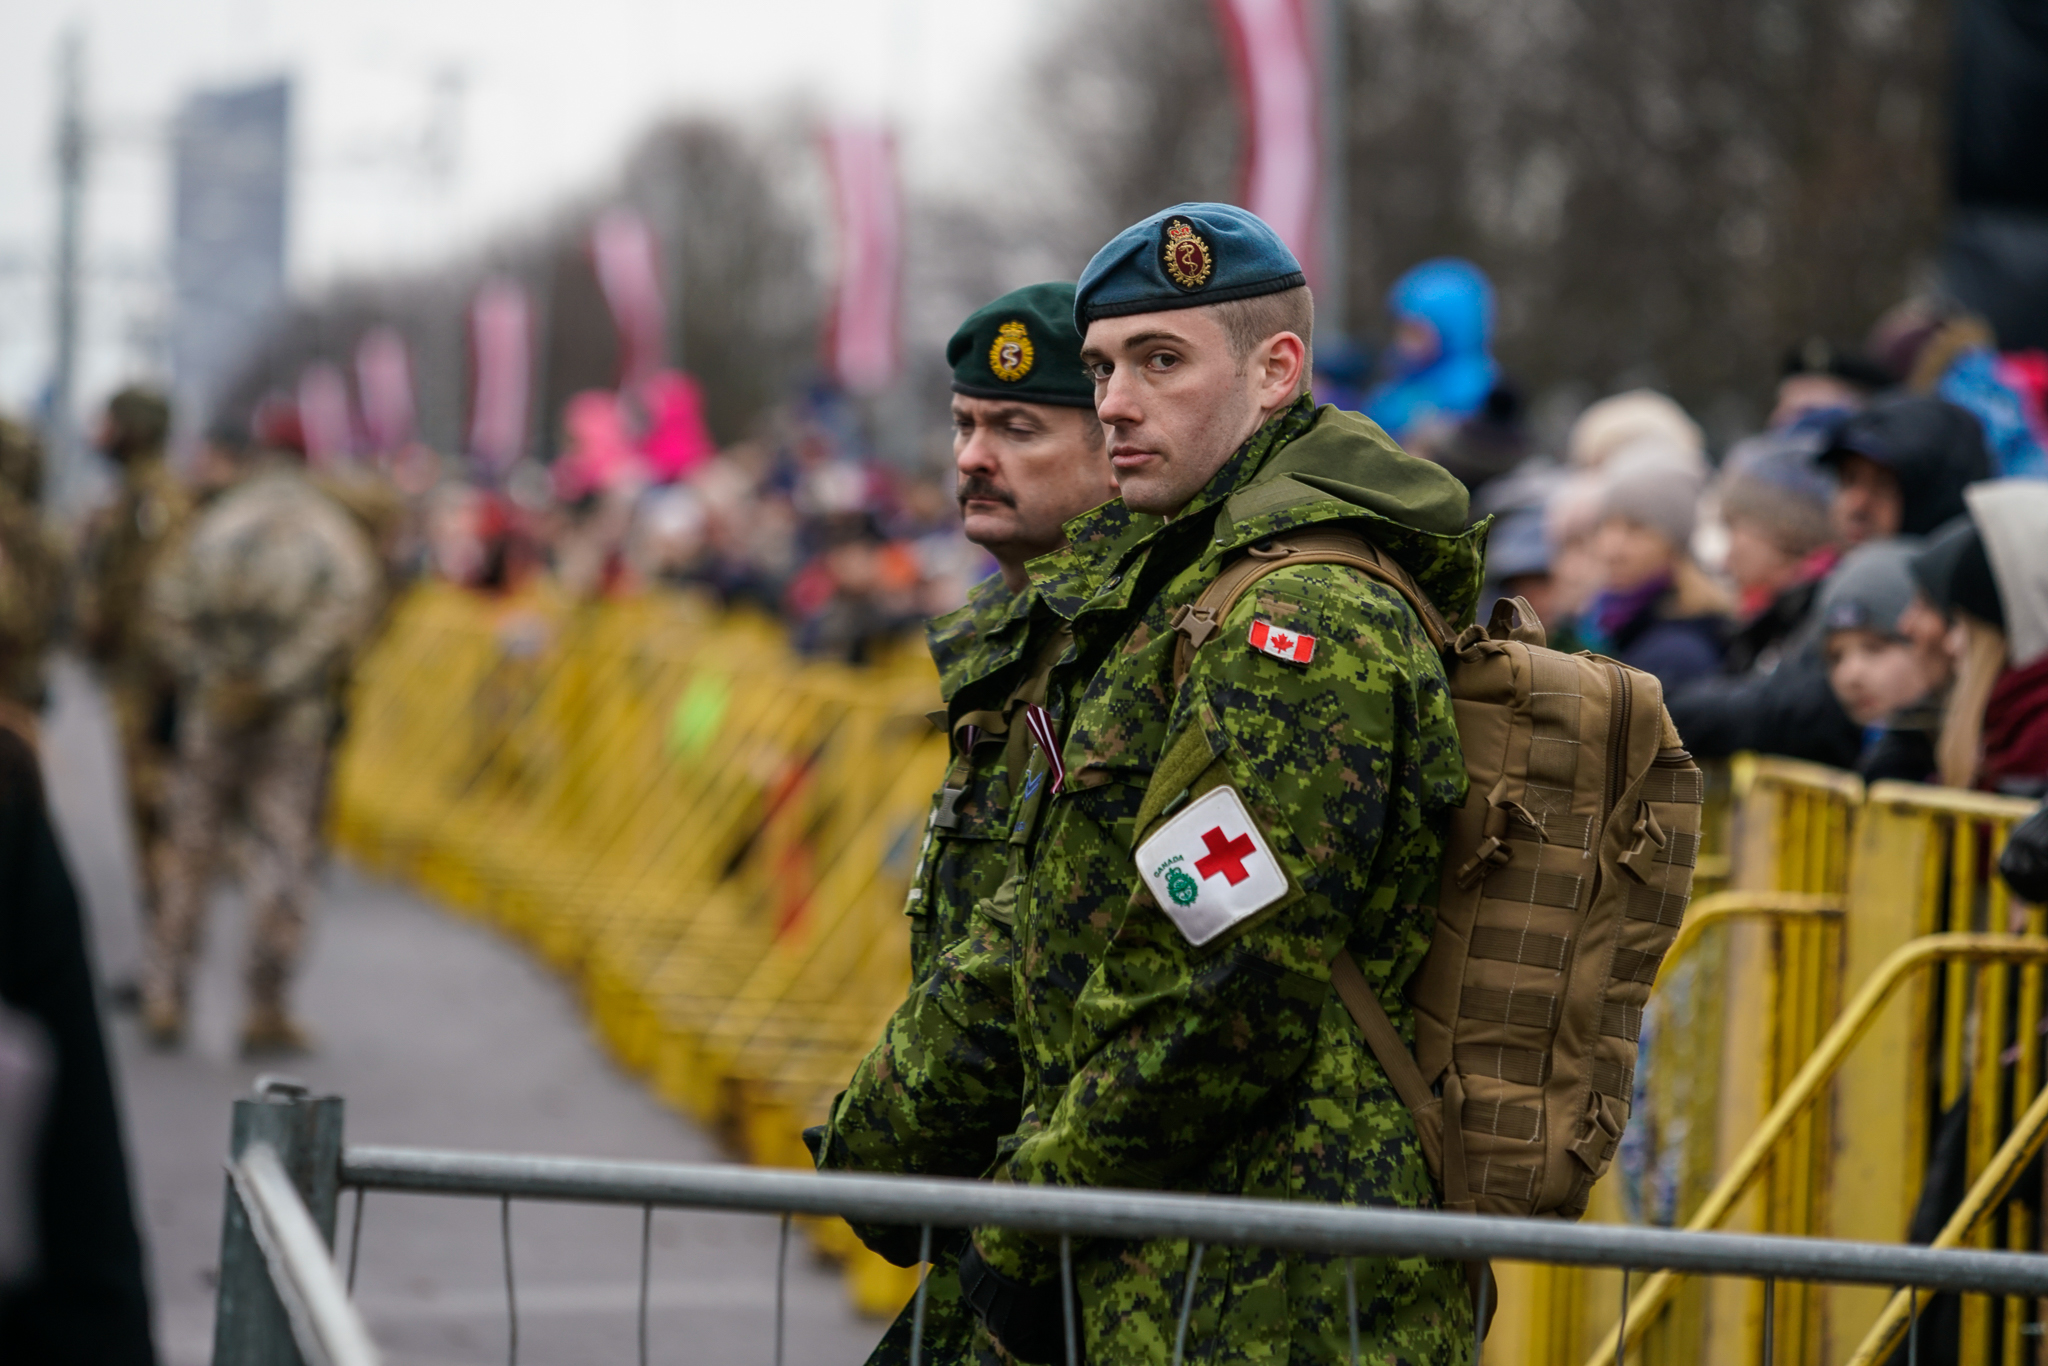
(1209, 867)
(1291, 646)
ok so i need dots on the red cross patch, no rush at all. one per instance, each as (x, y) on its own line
(1209, 867)
(1292, 646)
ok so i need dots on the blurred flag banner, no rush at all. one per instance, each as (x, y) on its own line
(1279, 85)
(384, 380)
(324, 412)
(862, 344)
(623, 247)
(501, 340)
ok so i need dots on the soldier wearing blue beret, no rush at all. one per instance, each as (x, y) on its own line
(1249, 798)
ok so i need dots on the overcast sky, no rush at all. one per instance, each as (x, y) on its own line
(552, 94)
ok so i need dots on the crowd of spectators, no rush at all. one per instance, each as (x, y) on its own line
(1863, 584)
(800, 523)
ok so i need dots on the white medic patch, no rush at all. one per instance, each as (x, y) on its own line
(1292, 646)
(1209, 867)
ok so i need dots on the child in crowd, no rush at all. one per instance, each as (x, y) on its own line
(1889, 687)
(1658, 611)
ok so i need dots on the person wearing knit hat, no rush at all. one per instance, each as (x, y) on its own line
(1882, 682)
(1773, 500)
(1606, 427)
(1657, 612)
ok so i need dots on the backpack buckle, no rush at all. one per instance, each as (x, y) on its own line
(1196, 623)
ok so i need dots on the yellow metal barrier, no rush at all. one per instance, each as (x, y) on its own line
(713, 839)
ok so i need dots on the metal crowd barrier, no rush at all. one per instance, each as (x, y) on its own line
(283, 1299)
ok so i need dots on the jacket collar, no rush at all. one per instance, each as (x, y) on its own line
(980, 638)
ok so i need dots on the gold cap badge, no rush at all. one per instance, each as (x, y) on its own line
(1187, 257)
(1011, 354)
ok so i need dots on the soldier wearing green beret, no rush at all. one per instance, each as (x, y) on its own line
(942, 1084)
(1228, 828)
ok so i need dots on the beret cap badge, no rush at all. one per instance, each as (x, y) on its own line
(1186, 255)
(1011, 354)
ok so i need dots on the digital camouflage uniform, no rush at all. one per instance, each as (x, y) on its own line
(122, 545)
(257, 611)
(943, 1084)
(1234, 1068)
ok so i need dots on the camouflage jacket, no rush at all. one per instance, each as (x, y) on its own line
(943, 1083)
(31, 587)
(123, 542)
(1232, 1067)
(273, 587)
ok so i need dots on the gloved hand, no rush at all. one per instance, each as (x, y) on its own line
(1026, 1319)
(234, 703)
(2024, 863)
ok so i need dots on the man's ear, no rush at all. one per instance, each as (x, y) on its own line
(1283, 359)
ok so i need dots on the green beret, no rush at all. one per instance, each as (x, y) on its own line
(1023, 346)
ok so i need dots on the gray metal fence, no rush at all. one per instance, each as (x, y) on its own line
(283, 1299)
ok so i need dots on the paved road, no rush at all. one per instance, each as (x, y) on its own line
(438, 1033)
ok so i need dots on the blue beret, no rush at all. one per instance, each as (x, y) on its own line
(1185, 257)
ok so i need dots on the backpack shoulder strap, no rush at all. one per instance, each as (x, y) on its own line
(1197, 621)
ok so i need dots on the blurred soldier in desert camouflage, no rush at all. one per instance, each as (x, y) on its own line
(31, 575)
(122, 543)
(257, 610)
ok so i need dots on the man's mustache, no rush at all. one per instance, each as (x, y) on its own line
(975, 488)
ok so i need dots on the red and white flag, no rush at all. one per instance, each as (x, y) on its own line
(1273, 51)
(384, 379)
(624, 249)
(324, 415)
(862, 344)
(1292, 646)
(501, 340)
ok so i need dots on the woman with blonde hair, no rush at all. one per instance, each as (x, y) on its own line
(1986, 575)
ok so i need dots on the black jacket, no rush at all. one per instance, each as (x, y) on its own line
(1790, 711)
(87, 1302)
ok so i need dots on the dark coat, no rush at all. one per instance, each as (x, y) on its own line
(1790, 711)
(88, 1302)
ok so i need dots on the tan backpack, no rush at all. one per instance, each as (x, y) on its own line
(1565, 877)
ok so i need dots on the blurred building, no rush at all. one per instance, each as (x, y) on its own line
(231, 181)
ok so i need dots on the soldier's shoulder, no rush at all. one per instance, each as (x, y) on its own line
(964, 642)
(1341, 595)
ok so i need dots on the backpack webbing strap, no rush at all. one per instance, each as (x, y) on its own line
(1398, 1063)
(1196, 622)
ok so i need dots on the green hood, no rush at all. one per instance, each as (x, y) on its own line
(1345, 468)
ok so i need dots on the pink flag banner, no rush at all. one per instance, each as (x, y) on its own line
(862, 345)
(624, 249)
(324, 415)
(1279, 82)
(384, 384)
(501, 341)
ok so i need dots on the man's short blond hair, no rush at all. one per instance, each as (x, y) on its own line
(1247, 322)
